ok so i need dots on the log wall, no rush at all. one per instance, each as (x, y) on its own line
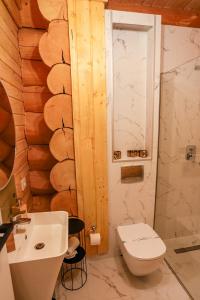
(55, 53)
(34, 95)
(39, 86)
(11, 77)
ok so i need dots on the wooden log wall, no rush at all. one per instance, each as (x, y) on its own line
(35, 93)
(37, 31)
(54, 50)
(11, 78)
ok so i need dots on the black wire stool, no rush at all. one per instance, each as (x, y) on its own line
(74, 270)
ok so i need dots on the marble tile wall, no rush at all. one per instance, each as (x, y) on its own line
(131, 202)
(178, 189)
(129, 85)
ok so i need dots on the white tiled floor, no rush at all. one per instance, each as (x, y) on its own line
(109, 279)
(186, 265)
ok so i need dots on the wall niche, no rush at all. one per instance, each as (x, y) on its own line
(132, 64)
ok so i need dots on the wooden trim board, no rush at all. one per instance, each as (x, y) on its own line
(86, 27)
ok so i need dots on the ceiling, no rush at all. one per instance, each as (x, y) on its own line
(174, 12)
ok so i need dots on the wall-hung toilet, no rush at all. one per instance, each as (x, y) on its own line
(142, 248)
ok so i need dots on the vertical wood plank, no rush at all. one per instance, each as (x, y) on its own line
(13, 10)
(76, 109)
(86, 23)
(85, 163)
(100, 121)
(8, 19)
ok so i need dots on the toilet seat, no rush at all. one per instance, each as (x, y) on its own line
(147, 249)
(135, 231)
(141, 241)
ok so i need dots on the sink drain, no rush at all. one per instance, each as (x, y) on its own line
(39, 246)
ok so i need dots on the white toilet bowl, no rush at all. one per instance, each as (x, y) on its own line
(142, 248)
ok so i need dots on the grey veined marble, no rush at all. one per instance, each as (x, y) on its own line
(178, 192)
(109, 279)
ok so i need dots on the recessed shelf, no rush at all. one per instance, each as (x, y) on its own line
(132, 78)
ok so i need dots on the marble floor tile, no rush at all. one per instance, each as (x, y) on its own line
(63, 294)
(185, 265)
(109, 279)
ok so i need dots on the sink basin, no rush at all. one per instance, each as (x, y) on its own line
(34, 271)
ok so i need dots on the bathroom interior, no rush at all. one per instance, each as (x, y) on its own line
(99, 149)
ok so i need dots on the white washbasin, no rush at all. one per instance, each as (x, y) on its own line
(34, 272)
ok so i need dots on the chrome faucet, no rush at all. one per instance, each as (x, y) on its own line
(20, 219)
(18, 216)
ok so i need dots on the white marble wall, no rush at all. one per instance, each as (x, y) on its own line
(129, 85)
(133, 202)
(178, 188)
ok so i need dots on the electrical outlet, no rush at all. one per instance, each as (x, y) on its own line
(23, 183)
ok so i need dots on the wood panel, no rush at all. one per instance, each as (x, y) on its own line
(21, 161)
(53, 10)
(27, 197)
(59, 79)
(18, 3)
(8, 45)
(7, 74)
(40, 158)
(40, 183)
(86, 24)
(193, 5)
(54, 44)
(41, 203)
(19, 134)
(62, 144)
(35, 97)
(19, 119)
(13, 10)
(58, 112)
(37, 132)
(181, 13)
(5, 15)
(62, 176)
(9, 61)
(180, 5)
(12, 91)
(100, 120)
(66, 201)
(21, 145)
(12, 37)
(31, 16)
(28, 43)
(10, 75)
(34, 72)
(18, 176)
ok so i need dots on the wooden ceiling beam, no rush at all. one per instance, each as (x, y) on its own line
(174, 16)
(177, 4)
(193, 5)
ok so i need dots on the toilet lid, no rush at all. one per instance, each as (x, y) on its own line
(150, 248)
(135, 231)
